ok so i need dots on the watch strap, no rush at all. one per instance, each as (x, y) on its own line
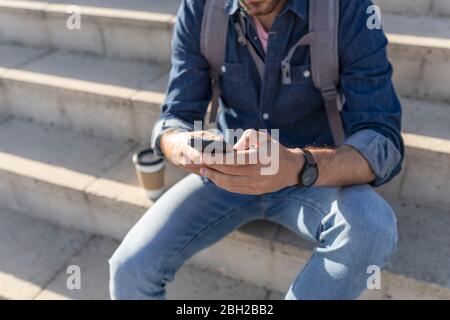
(310, 161)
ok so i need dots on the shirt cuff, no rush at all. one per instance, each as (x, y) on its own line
(164, 125)
(381, 154)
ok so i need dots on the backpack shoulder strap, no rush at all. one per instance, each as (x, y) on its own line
(323, 39)
(213, 40)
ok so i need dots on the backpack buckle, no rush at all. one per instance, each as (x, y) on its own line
(240, 34)
(330, 92)
(286, 75)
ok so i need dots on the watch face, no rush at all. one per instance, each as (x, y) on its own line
(309, 177)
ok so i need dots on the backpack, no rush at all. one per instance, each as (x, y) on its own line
(322, 39)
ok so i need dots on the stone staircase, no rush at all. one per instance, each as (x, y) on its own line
(75, 105)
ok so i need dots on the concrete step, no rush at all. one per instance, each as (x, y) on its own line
(71, 178)
(88, 184)
(415, 7)
(120, 100)
(424, 178)
(419, 50)
(420, 46)
(34, 266)
(110, 98)
(130, 29)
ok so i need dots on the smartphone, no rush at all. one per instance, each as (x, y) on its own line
(209, 145)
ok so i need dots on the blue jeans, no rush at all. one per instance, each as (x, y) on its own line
(353, 228)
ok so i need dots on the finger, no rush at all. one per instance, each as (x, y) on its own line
(237, 158)
(192, 168)
(251, 139)
(205, 134)
(244, 170)
(225, 181)
(211, 135)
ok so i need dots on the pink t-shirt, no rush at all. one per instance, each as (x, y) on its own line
(263, 35)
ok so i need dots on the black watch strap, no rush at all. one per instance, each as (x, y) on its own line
(310, 170)
(310, 161)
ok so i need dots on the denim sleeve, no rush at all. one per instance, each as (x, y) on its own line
(189, 89)
(371, 103)
(381, 154)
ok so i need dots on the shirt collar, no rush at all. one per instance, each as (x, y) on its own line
(299, 7)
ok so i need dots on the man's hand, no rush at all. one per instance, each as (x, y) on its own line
(246, 174)
(176, 149)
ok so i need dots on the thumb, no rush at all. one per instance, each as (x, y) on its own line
(251, 139)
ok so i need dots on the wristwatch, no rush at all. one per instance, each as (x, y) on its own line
(310, 171)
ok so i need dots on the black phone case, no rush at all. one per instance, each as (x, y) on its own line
(201, 145)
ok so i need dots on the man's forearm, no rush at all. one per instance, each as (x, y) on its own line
(341, 167)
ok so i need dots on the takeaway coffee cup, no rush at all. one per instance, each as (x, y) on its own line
(150, 172)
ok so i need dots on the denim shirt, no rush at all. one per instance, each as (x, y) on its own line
(371, 112)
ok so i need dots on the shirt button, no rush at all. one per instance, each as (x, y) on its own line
(307, 74)
(224, 69)
(266, 116)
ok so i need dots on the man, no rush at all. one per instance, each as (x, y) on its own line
(352, 226)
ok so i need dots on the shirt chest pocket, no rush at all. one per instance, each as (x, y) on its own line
(298, 99)
(239, 90)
